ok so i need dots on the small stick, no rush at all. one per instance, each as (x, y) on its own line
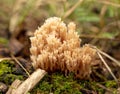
(108, 56)
(111, 58)
(1, 59)
(13, 58)
(14, 85)
(98, 37)
(29, 83)
(107, 66)
(72, 9)
(20, 65)
(101, 86)
(109, 3)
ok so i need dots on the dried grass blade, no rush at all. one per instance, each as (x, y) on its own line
(20, 65)
(108, 68)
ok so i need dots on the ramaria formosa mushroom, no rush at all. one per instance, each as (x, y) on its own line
(56, 46)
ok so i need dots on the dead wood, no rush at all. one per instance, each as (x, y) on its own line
(29, 83)
(14, 85)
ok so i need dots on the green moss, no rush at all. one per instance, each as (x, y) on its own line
(7, 72)
(5, 67)
(110, 84)
(57, 83)
(3, 41)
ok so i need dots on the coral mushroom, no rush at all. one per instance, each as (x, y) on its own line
(56, 46)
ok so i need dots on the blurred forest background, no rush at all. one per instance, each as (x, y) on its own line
(98, 23)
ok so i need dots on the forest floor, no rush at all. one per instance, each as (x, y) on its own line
(98, 23)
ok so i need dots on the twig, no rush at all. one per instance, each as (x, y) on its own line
(97, 37)
(108, 68)
(29, 83)
(72, 9)
(1, 59)
(111, 58)
(109, 3)
(102, 14)
(108, 56)
(20, 65)
(99, 75)
(101, 86)
(14, 86)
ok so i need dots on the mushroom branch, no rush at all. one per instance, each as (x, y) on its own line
(56, 46)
